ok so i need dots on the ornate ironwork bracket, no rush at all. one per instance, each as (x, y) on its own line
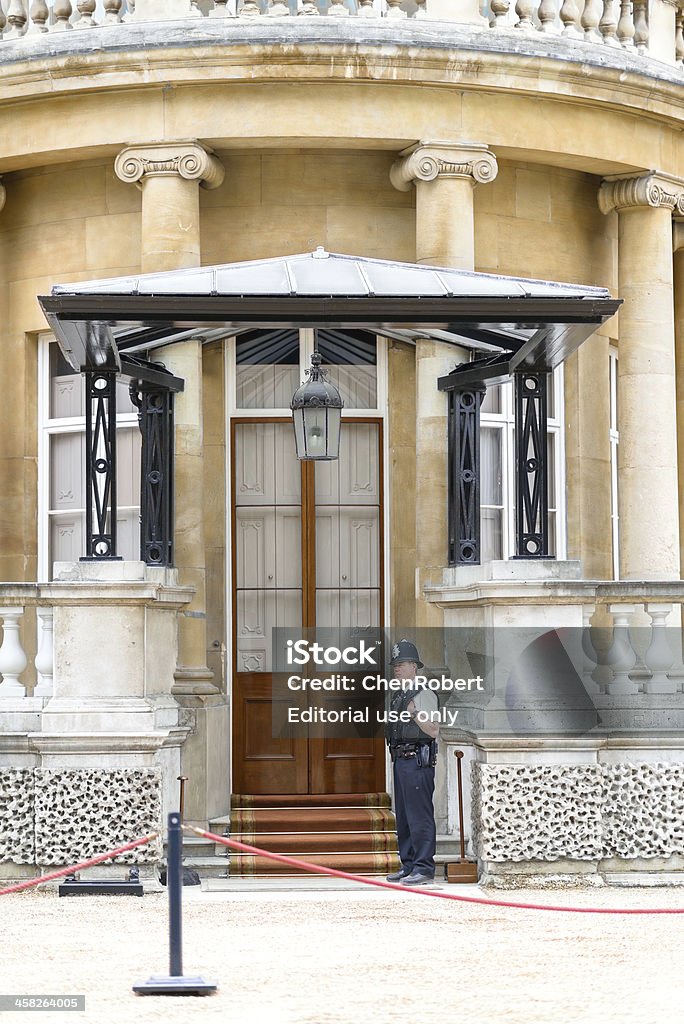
(532, 490)
(100, 423)
(464, 475)
(155, 417)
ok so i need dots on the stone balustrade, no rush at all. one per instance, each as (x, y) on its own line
(15, 599)
(654, 28)
(633, 641)
(624, 639)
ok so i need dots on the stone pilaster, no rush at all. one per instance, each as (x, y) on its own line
(444, 175)
(647, 421)
(170, 176)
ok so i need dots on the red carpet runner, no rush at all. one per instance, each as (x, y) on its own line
(348, 831)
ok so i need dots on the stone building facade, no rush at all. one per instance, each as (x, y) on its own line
(540, 142)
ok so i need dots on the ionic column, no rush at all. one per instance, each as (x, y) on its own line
(678, 277)
(647, 422)
(444, 176)
(170, 176)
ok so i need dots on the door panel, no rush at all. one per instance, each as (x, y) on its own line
(289, 517)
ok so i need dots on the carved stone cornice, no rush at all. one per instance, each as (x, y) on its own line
(654, 189)
(426, 161)
(188, 160)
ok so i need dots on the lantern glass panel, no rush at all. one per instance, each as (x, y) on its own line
(334, 420)
(316, 429)
(298, 419)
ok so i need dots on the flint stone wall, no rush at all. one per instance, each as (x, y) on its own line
(63, 816)
(579, 812)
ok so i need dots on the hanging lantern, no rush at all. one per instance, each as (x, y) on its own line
(316, 413)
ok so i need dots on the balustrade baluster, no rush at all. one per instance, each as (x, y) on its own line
(309, 8)
(278, 9)
(625, 28)
(570, 16)
(621, 656)
(12, 656)
(591, 17)
(592, 655)
(219, 10)
(86, 8)
(547, 15)
(112, 12)
(44, 660)
(249, 9)
(422, 9)
(525, 9)
(641, 31)
(394, 9)
(16, 19)
(3, 19)
(608, 24)
(659, 657)
(337, 9)
(62, 11)
(679, 36)
(367, 10)
(500, 9)
(39, 15)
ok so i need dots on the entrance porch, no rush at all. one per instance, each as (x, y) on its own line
(255, 531)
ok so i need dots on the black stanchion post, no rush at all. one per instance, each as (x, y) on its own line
(175, 984)
(174, 885)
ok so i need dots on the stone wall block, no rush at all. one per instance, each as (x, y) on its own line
(577, 812)
(537, 812)
(17, 813)
(80, 812)
(643, 812)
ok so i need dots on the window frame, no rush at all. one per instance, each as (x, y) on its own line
(306, 347)
(504, 422)
(51, 426)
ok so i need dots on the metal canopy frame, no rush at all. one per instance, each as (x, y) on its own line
(516, 327)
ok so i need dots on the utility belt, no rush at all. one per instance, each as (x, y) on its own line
(424, 753)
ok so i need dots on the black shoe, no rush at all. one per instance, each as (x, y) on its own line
(397, 876)
(416, 878)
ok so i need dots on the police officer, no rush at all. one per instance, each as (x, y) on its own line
(413, 748)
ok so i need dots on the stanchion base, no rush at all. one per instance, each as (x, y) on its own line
(170, 985)
(463, 871)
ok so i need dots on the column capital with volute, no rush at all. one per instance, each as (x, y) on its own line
(186, 159)
(631, 191)
(427, 161)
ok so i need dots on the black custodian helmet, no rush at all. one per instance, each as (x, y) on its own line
(404, 650)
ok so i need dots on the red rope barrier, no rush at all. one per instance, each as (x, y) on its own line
(319, 869)
(78, 867)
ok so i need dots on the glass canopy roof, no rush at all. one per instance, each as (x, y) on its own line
(525, 323)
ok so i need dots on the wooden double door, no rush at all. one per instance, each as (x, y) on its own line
(307, 552)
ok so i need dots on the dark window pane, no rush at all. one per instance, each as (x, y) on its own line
(268, 347)
(342, 347)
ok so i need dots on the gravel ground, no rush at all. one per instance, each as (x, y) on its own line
(351, 957)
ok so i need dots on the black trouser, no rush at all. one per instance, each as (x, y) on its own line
(416, 831)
